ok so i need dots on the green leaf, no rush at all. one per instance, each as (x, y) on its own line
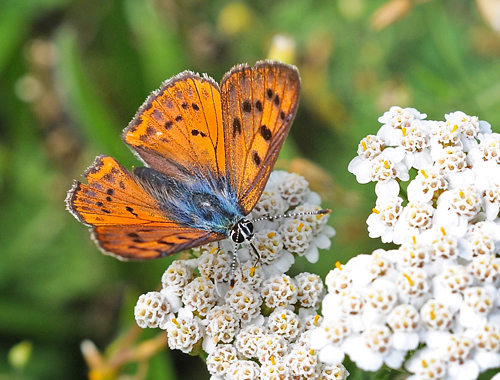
(84, 100)
(158, 42)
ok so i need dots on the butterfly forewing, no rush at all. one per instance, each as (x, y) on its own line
(258, 107)
(178, 129)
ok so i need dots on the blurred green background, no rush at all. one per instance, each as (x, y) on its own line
(74, 72)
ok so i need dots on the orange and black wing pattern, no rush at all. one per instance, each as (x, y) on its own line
(179, 131)
(125, 220)
(258, 106)
(209, 153)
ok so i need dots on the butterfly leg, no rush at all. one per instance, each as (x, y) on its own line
(234, 265)
(257, 261)
(256, 254)
(212, 274)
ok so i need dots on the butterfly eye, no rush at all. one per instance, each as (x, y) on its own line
(243, 230)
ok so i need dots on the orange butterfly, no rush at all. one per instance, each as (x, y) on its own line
(208, 152)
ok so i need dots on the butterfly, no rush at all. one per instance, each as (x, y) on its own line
(208, 152)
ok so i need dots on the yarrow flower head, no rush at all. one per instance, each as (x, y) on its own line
(437, 295)
(251, 319)
(430, 305)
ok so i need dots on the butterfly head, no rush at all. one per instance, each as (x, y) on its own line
(242, 231)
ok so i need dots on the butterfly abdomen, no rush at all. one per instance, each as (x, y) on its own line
(192, 204)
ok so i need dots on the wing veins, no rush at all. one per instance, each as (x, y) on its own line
(240, 113)
(247, 146)
(217, 137)
(166, 112)
(194, 158)
(219, 123)
(140, 202)
(276, 141)
(214, 146)
(247, 150)
(206, 122)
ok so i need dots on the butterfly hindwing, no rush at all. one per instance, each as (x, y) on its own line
(178, 130)
(258, 107)
(112, 196)
(149, 241)
(127, 221)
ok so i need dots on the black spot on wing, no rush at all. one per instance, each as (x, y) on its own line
(246, 105)
(269, 93)
(196, 132)
(131, 210)
(258, 105)
(236, 126)
(169, 243)
(265, 133)
(256, 158)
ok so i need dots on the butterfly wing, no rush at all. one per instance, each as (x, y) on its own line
(142, 242)
(178, 130)
(125, 220)
(258, 107)
(222, 149)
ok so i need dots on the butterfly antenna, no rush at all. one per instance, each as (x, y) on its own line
(293, 214)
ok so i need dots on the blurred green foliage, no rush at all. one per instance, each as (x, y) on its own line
(73, 73)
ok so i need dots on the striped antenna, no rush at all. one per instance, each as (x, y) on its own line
(291, 215)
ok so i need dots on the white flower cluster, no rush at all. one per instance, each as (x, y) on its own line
(257, 329)
(437, 295)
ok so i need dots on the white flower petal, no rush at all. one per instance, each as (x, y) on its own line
(331, 354)
(387, 189)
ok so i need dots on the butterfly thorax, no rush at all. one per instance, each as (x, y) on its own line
(205, 205)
